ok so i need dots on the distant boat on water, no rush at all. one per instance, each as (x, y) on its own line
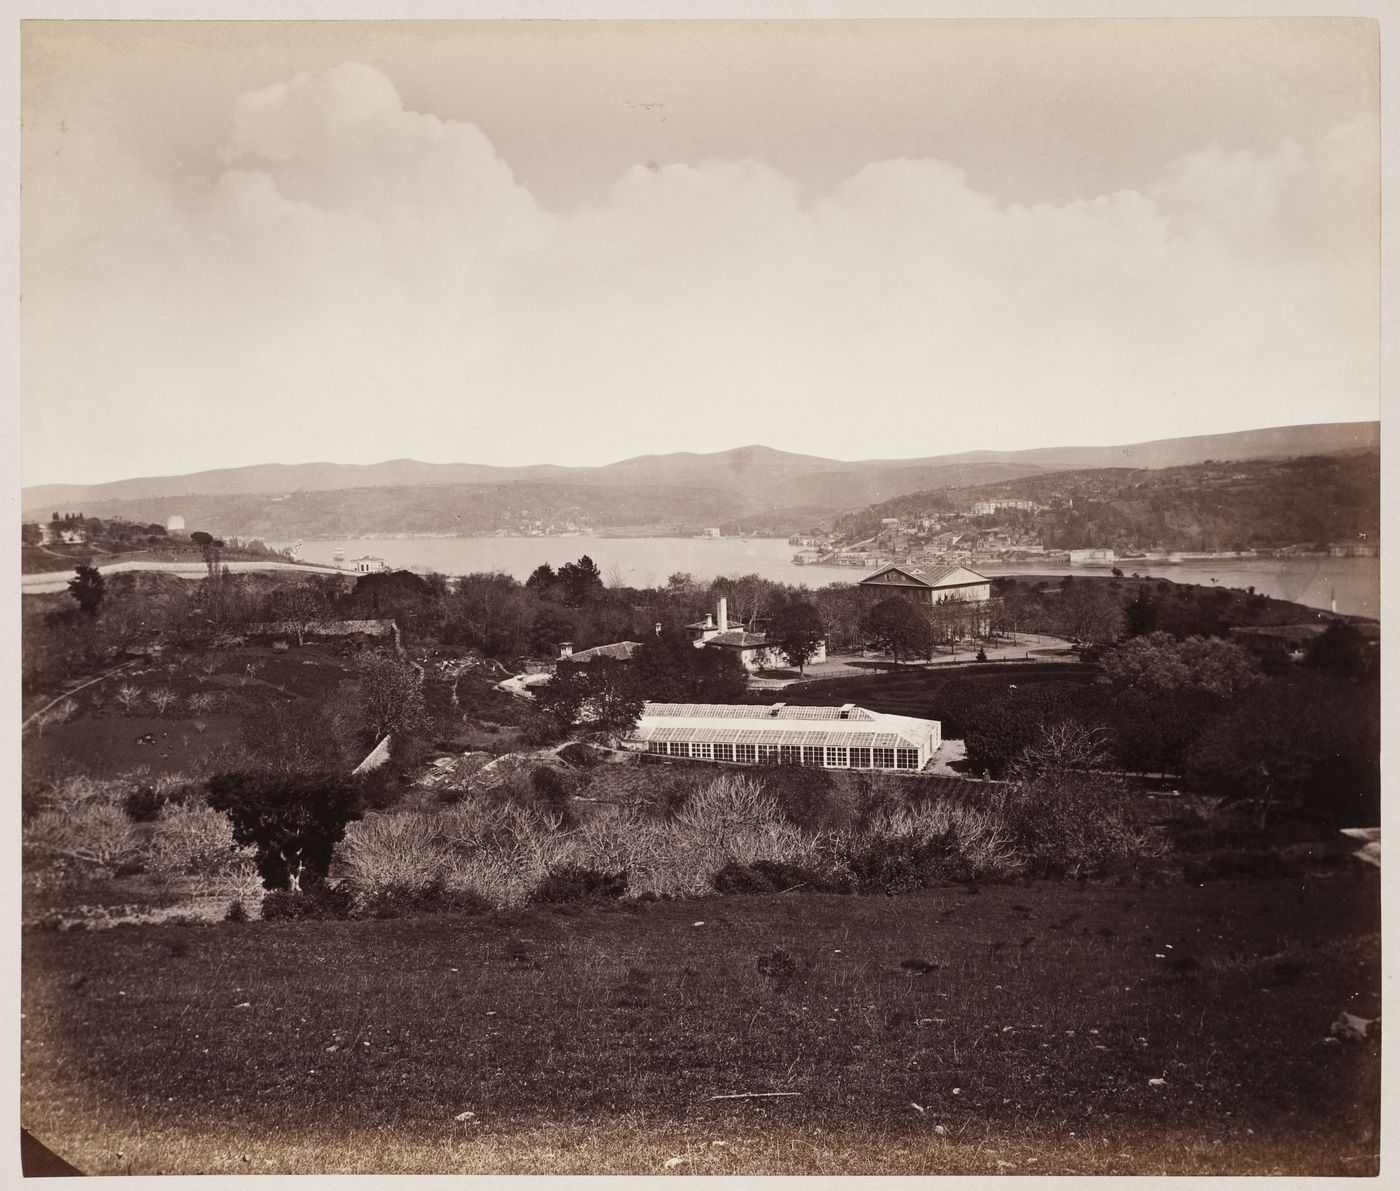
(338, 556)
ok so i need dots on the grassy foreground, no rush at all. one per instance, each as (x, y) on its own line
(1066, 1028)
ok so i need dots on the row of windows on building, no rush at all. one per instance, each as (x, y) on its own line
(790, 754)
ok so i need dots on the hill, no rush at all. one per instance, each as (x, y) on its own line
(756, 484)
(1245, 504)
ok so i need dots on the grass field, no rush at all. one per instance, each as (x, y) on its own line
(1138, 1027)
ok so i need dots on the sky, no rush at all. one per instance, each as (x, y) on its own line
(575, 242)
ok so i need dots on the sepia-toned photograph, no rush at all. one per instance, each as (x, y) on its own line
(700, 597)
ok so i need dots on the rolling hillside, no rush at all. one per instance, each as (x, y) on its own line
(777, 489)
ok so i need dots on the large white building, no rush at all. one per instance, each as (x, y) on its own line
(848, 737)
(927, 586)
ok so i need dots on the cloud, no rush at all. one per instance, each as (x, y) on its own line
(355, 280)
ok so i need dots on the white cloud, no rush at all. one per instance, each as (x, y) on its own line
(359, 281)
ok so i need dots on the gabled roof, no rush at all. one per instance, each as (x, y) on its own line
(850, 726)
(739, 639)
(622, 650)
(922, 576)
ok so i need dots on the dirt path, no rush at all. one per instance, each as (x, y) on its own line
(74, 690)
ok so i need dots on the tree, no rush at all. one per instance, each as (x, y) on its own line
(1310, 741)
(1141, 615)
(581, 581)
(1158, 663)
(899, 628)
(293, 822)
(797, 632)
(1089, 613)
(88, 588)
(614, 695)
(1340, 649)
(670, 669)
(30, 534)
(562, 697)
(391, 699)
(542, 581)
(605, 692)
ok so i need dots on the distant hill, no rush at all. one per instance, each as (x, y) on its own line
(684, 490)
(1221, 505)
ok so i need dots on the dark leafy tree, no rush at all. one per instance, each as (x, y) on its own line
(563, 696)
(614, 696)
(1140, 616)
(293, 822)
(1306, 741)
(797, 631)
(670, 669)
(88, 588)
(30, 534)
(1159, 663)
(550, 627)
(1339, 650)
(543, 581)
(899, 628)
(581, 581)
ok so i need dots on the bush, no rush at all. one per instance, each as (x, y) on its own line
(322, 900)
(193, 840)
(892, 864)
(1074, 826)
(384, 852)
(574, 883)
(581, 755)
(236, 911)
(142, 804)
(775, 876)
(94, 835)
(396, 901)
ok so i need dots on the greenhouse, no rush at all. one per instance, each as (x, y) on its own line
(847, 737)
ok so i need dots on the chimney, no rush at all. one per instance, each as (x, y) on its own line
(566, 649)
(709, 620)
(723, 615)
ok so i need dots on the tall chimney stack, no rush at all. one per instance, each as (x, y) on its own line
(566, 649)
(723, 617)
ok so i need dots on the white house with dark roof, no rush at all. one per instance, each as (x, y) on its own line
(847, 737)
(752, 649)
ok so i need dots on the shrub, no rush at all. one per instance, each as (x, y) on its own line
(322, 900)
(384, 852)
(194, 840)
(236, 911)
(581, 755)
(899, 863)
(1074, 826)
(97, 835)
(574, 883)
(774, 876)
(163, 698)
(396, 901)
(142, 804)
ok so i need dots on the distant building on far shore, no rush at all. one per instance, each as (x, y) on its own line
(174, 522)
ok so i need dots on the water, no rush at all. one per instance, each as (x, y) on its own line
(647, 562)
